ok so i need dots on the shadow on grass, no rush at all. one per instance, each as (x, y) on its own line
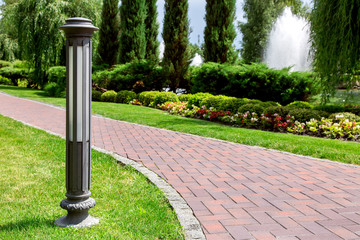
(42, 94)
(15, 88)
(26, 224)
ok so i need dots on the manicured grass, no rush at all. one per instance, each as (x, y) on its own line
(336, 150)
(340, 97)
(32, 184)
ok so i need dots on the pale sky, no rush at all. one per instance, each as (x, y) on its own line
(197, 22)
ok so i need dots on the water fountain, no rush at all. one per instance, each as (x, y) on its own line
(289, 43)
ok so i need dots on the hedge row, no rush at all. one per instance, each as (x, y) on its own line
(138, 77)
(255, 81)
(17, 72)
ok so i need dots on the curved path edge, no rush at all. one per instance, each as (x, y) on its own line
(190, 224)
(189, 134)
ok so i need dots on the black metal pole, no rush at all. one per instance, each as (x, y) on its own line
(78, 33)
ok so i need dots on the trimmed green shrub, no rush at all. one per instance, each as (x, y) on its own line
(330, 108)
(125, 96)
(300, 104)
(270, 104)
(250, 107)
(50, 89)
(96, 95)
(336, 117)
(197, 98)
(108, 96)
(255, 81)
(163, 97)
(213, 101)
(184, 97)
(24, 83)
(20, 64)
(147, 97)
(304, 115)
(232, 104)
(14, 73)
(352, 108)
(280, 110)
(138, 77)
(5, 64)
(5, 81)
(56, 75)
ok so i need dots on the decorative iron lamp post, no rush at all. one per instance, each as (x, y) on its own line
(78, 32)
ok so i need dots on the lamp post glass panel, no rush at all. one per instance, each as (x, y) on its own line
(78, 33)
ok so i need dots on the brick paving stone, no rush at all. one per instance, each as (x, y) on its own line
(236, 191)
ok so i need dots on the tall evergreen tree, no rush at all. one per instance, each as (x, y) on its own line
(259, 14)
(219, 31)
(109, 32)
(152, 31)
(176, 59)
(132, 36)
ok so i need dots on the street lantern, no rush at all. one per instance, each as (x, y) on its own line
(78, 33)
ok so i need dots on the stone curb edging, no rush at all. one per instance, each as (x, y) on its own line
(191, 226)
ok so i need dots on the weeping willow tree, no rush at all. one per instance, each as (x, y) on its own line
(335, 33)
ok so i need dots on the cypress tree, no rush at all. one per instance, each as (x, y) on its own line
(259, 14)
(109, 32)
(176, 59)
(151, 32)
(220, 31)
(132, 37)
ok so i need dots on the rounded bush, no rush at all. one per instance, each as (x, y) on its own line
(164, 97)
(5, 64)
(304, 115)
(280, 110)
(96, 95)
(270, 104)
(197, 98)
(213, 101)
(125, 96)
(330, 108)
(108, 96)
(232, 104)
(336, 117)
(184, 97)
(300, 104)
(51, 88)
(147, 97)
(352, 108)
(5, 81)
(256, 108)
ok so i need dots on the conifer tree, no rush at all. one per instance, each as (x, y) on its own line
(259, 14)
(109, 32)
(219, 31)
(132, 36)
(176, 59)
(152, 30)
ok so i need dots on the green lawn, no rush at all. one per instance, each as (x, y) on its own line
(32, 184)
(340, 97)
(336, 150)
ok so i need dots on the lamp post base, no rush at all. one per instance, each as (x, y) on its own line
(78, 214)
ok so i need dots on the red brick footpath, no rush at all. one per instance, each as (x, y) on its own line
(236, 191)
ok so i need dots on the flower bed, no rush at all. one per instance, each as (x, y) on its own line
(339, 128)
